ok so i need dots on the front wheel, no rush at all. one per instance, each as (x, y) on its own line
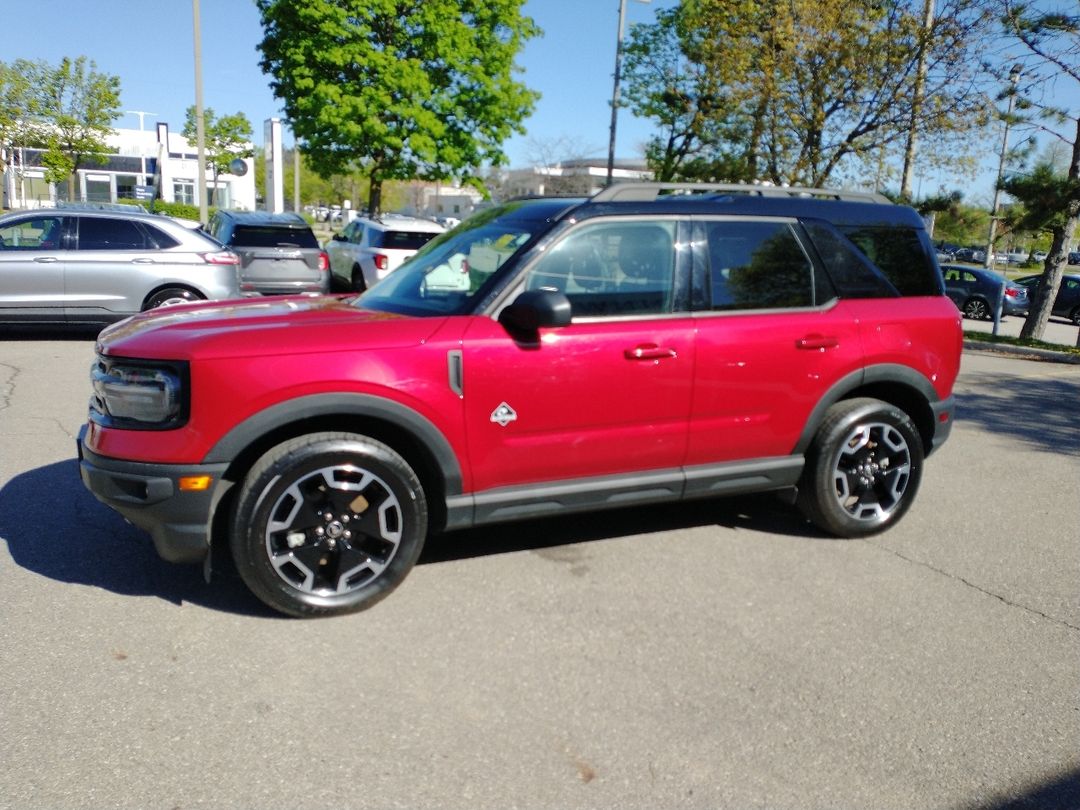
(976, 309)
(328, 523)
(863, 468)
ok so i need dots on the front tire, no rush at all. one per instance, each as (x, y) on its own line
(170, 296)
(358, 283)
(977, 309)
(863, 468)
(327, 524)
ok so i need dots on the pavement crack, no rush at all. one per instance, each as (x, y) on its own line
(972, 585)
(7, 384)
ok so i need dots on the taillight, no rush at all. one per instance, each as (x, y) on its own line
(381, 262)
(221, 257)
(324, 261)
(1012, 293)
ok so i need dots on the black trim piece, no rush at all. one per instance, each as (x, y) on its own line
(513, 503)
(942, 430)
(733, 478)
(146, 495)
(233, 443)
(455, 370)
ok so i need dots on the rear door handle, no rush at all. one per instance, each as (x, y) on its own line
(142, 261)
(814, 342)
(46, 259)
(649, 351)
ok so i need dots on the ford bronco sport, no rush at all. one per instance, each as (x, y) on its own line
(631, 348)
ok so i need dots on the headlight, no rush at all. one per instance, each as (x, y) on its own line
(138, 395)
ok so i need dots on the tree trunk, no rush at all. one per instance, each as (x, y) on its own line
(1047, 290)
(375, 196)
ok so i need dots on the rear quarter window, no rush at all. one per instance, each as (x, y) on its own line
(899, 254)
(401, 240)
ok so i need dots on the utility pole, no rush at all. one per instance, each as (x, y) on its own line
(917, 101)
(200, 123)
(988, 260)
(615, 92)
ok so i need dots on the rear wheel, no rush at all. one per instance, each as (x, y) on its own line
(863, 468)
(358, 283)
(328, 523)
(976, 309)
(171, 296)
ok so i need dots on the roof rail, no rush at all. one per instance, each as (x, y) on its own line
(101, 206)
(647, 192)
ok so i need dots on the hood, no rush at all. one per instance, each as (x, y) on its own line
(258, 326)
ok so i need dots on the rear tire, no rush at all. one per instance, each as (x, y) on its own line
(327, 524)
(977, 309)
(358, 283)
(170, 296)
(862, 470)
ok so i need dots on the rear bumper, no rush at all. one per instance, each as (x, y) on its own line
(944, 416)
(149, 496)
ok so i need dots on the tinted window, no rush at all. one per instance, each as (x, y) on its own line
(899, 254)
(39, 233)
(851, 274)
(160, 238)
(612, 268)
(111, 234)
(400, 240)
(270, 236)
(757, 265)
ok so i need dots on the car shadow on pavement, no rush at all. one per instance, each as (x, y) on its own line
(1039, 412)
(760, 512)
(54, 527)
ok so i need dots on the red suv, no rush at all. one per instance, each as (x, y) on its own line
(631, 348)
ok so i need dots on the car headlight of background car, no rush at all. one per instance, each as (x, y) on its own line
(139, 395)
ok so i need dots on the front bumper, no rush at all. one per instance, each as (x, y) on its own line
(149, 496)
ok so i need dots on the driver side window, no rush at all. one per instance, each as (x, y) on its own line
(612, 268)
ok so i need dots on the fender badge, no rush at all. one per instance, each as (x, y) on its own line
(503, 415)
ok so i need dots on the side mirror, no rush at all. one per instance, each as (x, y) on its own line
(536, 309)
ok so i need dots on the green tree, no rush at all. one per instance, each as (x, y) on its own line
(398, 88)
(1046, 46)
(75, 107)
(227, 138)
(798, 91)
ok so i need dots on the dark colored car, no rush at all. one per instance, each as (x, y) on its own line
(629, 349)
(279, 254)
(1067, 303)
(975, 292)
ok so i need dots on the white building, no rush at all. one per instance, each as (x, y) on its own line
(142, 164)
(585, 177)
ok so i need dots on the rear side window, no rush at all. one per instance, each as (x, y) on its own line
(847, 266)
(270, 236)
(160, 238)
(400, 240)
(759, 265)
(899, 254)
(111, 234)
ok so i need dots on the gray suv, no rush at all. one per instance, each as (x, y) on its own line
(91, 265)
(279, 255)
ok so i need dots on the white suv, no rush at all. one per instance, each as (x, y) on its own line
(369, 249)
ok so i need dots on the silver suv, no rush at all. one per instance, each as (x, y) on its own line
(94, 266)
(370, 249)
(279, 255)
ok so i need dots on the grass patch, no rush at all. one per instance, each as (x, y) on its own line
(1027, 343)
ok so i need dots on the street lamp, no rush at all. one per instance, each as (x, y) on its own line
(988, 260)
(615, 91)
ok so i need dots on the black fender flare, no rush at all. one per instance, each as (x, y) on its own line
(891, 373)
(252, 429)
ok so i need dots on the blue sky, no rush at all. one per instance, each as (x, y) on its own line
(149, 45)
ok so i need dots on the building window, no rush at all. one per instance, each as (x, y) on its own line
(125, 186)
(184, 191)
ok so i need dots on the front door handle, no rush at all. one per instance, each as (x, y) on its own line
(649, 351)
(814, 342)
(142, 261)
(46, 259)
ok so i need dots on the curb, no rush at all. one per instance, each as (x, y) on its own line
(1023, 352)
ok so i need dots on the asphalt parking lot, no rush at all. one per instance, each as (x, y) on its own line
(717, 655)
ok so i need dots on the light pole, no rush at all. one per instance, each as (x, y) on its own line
(200, 123)
(615, 91)
(988, 260)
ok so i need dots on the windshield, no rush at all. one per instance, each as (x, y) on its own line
(444, 276)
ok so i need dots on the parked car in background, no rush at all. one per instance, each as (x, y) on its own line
(975, 290)
(371, 248)
(969, 255)
(1074, 257)
(1067, 303)
(279, 255)
(95, 265)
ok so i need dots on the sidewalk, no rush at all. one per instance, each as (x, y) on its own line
(1058, 330)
